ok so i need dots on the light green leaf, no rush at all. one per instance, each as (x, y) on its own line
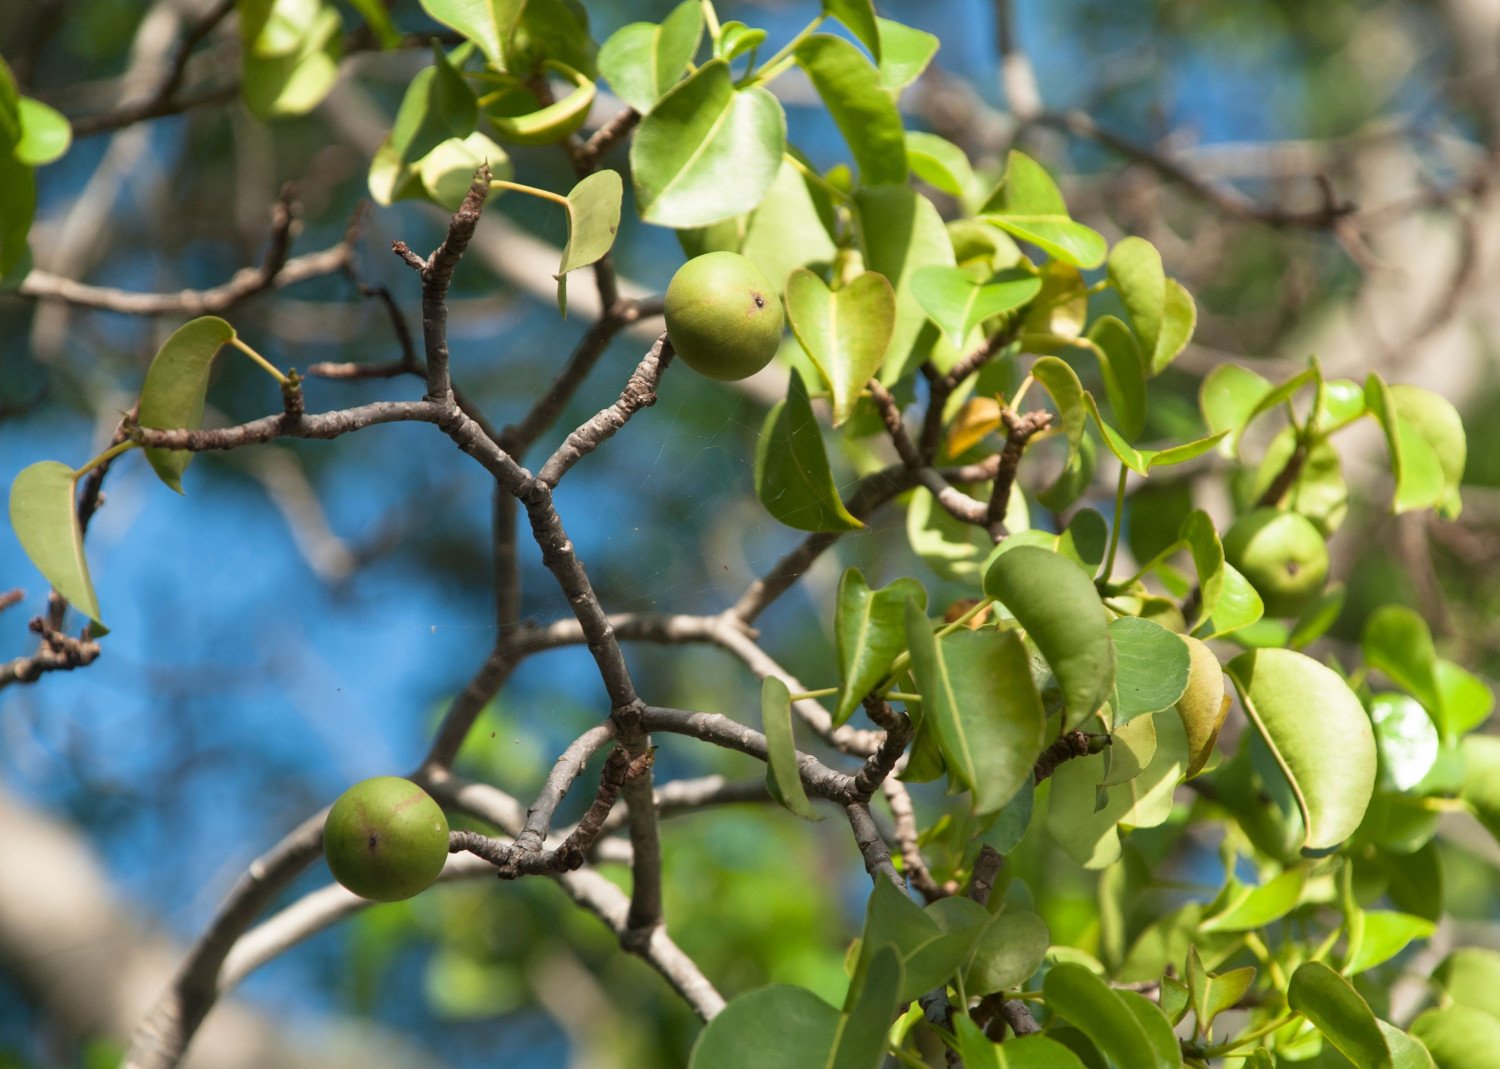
(1407, 1052)
(859, 17)
(1179, 320)
(1028, 204)
(782, 778)
(951, 548)
(1203, 705)
(1136, 273)
(517, 114)
(176, 384)
(941, 164)
(870, 632)
(488, 23)
(1396, 641)
(1405, 738)
(1330, 1002)
(1124, 373)
(775, 1027)
(864, 112)
(1009, 952)
(977, 688)
(446, 172)
(735, 39)
(1055, 601)
(1036, 1052)
(1151, 667)
(45, 519)
(1247, 908)
(792, 476)
(1481, 790)
(1434, 419)
(1228, 397)
(1460, 1038)
(45, 133)
(904, 54)
(1470, 976)
(900, 231)
(1277, 687)
(1085, 1001)
(1141, 461)
(707, 151)
(291, 51)
(1061, 382)
(1386, 934)
(438, 105)
(845, 331)
(1420, 478)
(643, 61)
(593, 222)
(958, 303)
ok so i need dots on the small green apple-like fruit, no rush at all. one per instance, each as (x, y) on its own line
(723, 316)
(1282, 555)
(385, 839)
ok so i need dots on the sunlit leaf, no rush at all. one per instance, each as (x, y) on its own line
(860, 106)
(643, 61)
(488, 23)
(176, 384)
(899, 232)
(869, 631)
(45, 520)
(846, 331)
(1330, 1002)
(782, 778)
(957, 303)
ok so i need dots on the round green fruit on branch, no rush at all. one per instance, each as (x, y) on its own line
(1282, 555)
(385, 839)
(723, 316)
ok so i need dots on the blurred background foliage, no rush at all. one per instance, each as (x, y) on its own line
(293, 623)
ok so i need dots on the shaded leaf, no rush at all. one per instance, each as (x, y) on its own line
(1151, 667)
(1009, 952)
(1330, 1002)
(792, 476)
(861, 1039)
(782, 778)
(900, 231)
(775, 1027)
(1076, 994)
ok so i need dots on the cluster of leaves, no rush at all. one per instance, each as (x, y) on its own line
(894, 269)
(31, 135)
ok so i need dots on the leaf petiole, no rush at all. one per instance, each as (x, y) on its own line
(265, 365)
(545, 194)
(104, 458)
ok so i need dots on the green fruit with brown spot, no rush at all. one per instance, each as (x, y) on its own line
(385, 839)
(1282, 555)
(723, 316)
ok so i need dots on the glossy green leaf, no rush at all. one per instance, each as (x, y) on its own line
(593, 222)
(958, 303)
(1277, 688)
(870, 632)
(1156, 1026)
(1397, 642)
(1099, 1012)
(775, 1027)
(554, 33)
(792, 476)
(643, 61)
(1386, 934)
(45, 520)
(861, 1039)
(846, 331)
(1036, 1052)
(1085, 540)
(1330, 1002)
(45, 133)
(859, 17)
(1141, 461)
(900, 231)
(1459, 1037)
(1179, 320)
(1435, 421)
(488, 23)
(1405, 738)
(517, 114)
(1228, 397)
(1151, 667)
(446, 173)
(954, 549)
(1203, 705)
(1247, 908)
(707, 151)
(905, 53)
(1135, 271)
(438, 105)
(291, 51)
(1009, 952)
(1055, 601)
(977, 688)
(1029, 206)
(176, 384)
(860, 106)
(782, 778)
(1061, 382)
(1407, 1052)
(1131, 748)
(941, 164)
(1420, 478)
(1124, 372)
(1227, 601)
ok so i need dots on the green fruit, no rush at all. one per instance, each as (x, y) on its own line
(1282, 555)
(723, 316)
(385, 839)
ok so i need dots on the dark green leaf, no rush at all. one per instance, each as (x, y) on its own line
(900, 231)
(1151, 667)
(776, 1027)
(1086, 1001)
(438, 105)
(1124, 373)
(1009, 952)
(861, 1039)
(870, 631)
(1330, 1002)
(782, 778)
(792, 477)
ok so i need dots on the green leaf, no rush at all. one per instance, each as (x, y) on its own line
(958, 303)
(933, 944)
(45, 519)
(1460, 1038)
(1330, 1002)
(860, 106)
(643, 61)
(1085, 540)
(1151, 667)
(291, 51)
(1396, 641)
(176, 384)
(904, 53)
(861, 1039)
(1481, 790)
(707, 151)
(859, 17)
(1277, 687)
(845, 331)
(941, 164)
(1156, 1026)
(488, 23)
(17, 179)
(438, 105)
(792, 476)
(1386, 934)
(446, 173)
(1136, 273)
(1420, 478)
(1405, 738)
(1079, 996)
(1407, 1052)
(775, 1027)
(1248, 908)
(1009, 952)
(517, 114)
(1055, 601)
(1029, 205)
(735, 39)
(978, 689)
(1123, 371)
(378, 19)
(975, 1049)
(899, 232)
(593, 222)
(951, 548)
(1228, 398)
(1141, 461)
(45, 133)
(1061, 382)
(782, 778)
(1203, 705)
(1036, 1052)
(870, 632)
(1434, 419)
(1470, 976)
(1179, 320)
